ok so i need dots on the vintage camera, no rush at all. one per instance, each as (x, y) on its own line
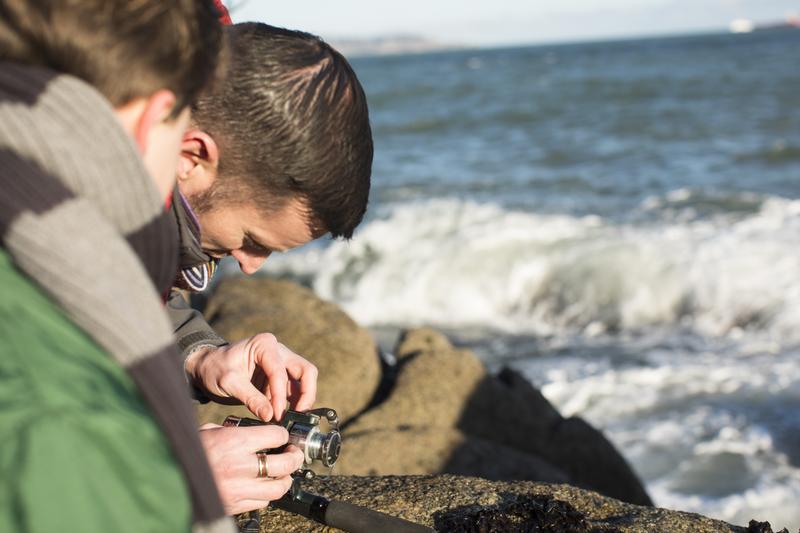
(305, 433)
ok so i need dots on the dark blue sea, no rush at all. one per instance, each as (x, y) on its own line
(620, 221)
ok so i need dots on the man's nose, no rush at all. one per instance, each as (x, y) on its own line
(248, 263)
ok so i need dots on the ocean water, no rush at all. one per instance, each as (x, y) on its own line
(619, 221)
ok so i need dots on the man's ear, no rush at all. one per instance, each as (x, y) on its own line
(199, 161)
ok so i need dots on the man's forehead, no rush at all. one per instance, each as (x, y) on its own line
(284, 228)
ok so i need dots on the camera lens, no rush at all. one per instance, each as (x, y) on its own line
(331, 447)
(317, 445)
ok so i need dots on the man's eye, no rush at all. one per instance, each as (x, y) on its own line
(251, 246)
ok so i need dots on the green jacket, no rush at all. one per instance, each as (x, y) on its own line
(79, 450)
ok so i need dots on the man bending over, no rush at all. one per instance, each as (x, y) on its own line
(279, 153)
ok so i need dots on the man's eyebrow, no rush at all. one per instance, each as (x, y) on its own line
(250, 242)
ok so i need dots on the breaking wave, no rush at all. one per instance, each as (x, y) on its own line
(459, 264)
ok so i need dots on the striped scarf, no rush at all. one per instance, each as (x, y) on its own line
(80, 216)
(196, 267)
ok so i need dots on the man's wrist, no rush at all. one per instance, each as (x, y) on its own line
(193, 360)
(191, 367)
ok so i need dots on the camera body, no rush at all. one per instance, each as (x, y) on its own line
(305, 433)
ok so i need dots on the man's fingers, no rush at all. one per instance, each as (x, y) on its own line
(266, 489)
(277, 381)
(305, 373)
(265, 352)
(294, 394)
(248, 494)
(282, 464)
(301, 400)
(251, 439)
(308, 391)
(245, 505)
(251, 397)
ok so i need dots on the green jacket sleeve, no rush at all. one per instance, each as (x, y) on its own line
(79, 449)
(87, 473)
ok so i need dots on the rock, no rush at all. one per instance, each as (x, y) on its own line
(593, 462)
(762, 527)
(440, 386)
(421, 450)
(466, 504)
(443, 412)
(434, 381)
(344, 353)
(519, 417)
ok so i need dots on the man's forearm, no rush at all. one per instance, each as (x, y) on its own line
(194, 337)
(191, 328)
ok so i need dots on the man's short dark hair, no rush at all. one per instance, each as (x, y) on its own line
(124, 48)
(291, 120)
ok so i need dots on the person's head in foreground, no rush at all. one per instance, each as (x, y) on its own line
(149, 59)
(96, 423)
(280, 151)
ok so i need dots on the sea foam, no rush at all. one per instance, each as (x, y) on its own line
(459, 264)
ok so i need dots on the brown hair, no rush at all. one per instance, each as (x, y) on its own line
(124, 48)
(291, 120)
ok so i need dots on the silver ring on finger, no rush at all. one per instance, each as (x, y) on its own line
(262, 464)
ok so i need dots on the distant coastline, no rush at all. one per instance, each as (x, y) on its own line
(391, 45)
(417, 44)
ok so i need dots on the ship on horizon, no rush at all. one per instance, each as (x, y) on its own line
(743, 25)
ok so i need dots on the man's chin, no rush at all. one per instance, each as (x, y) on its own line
(216, 254)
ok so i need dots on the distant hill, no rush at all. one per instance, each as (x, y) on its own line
(397, 44)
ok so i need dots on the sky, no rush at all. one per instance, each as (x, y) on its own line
(499, 22)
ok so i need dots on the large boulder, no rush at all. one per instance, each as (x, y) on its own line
(422, 450)
(439, 386)
(518, 416)
(433, 383)
(344, 353)
(440, 411)
(465, 504)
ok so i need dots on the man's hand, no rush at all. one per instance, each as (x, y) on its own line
(231, 453)
(260, 372)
